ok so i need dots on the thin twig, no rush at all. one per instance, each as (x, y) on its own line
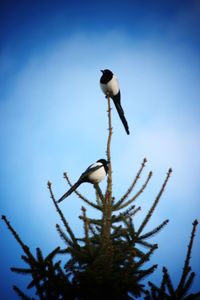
(64, 237)
(93, 221)
(86, 228)
(124, 197)
(154, 231)
(21, 294)
(168, 282)
(148, 216)
(99, 195)
(28, 253)
(62, 215)
(117, 206)
(186, 268)
(126, 214)
(17, 237)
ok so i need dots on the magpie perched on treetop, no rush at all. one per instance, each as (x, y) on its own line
(110, 87)
(94, 174)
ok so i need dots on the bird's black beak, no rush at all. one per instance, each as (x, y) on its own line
(102, 71)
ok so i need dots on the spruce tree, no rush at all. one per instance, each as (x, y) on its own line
(112, 258)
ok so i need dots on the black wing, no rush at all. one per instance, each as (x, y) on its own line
(88, 171)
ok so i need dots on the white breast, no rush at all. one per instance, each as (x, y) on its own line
(111, 88)
(98, 175)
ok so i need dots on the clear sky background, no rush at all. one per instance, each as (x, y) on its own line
(53, 116)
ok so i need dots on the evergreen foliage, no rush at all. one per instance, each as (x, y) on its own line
(112, 258)
(167, 290)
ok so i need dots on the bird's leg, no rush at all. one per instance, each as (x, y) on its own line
(107, 95)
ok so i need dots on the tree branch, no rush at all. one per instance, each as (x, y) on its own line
(154, 204)
(134, 181)
(62, 215)
(186, 268)
(108, 152)
(118, 205)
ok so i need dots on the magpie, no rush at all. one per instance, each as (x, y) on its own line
(94, 174)
(110, 87)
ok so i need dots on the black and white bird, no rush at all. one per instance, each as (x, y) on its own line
(94, 174)
(110, 87)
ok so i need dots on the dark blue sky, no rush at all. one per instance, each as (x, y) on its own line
(50, 56)
(27, 27)
(24, 23)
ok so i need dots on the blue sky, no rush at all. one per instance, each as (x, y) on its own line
(53, 115)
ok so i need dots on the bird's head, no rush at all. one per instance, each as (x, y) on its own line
(107, 72)
(105, 163)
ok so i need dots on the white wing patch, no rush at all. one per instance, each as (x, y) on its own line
(98, 175)
(111, 88)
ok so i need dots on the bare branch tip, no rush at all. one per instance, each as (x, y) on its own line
(49, 184)
(195, 223)
(3, 217)
(164, 269)
(83, 209)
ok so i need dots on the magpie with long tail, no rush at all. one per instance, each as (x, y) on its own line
(110, 87)
(94, 174)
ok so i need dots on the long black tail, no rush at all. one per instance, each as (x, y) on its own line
(117, 102)
(71, 190)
